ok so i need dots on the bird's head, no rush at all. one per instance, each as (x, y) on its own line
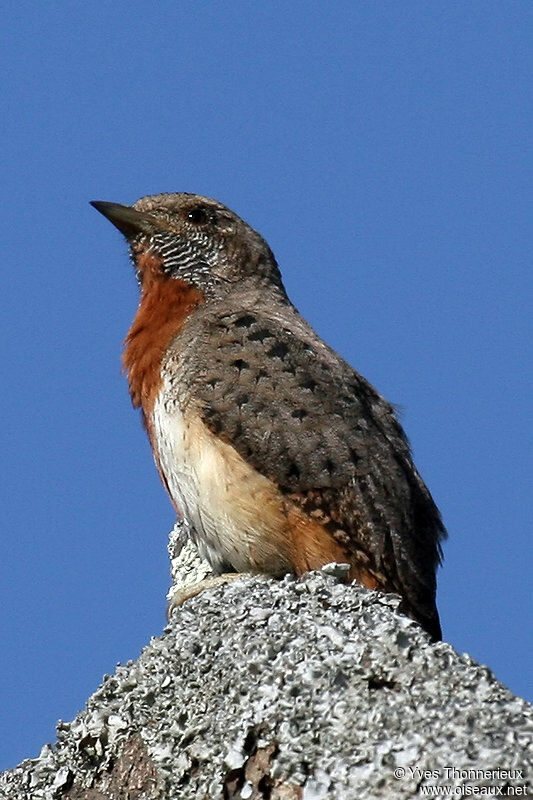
(192, 239)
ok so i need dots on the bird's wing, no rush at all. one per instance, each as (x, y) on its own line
(296, 411)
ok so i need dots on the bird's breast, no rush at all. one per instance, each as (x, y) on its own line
(165, 306)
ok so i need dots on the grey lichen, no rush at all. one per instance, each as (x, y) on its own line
(186, 566)
(304, 689)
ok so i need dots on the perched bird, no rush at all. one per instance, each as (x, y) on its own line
(281, 457)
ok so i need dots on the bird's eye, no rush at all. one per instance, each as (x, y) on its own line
(198, 216)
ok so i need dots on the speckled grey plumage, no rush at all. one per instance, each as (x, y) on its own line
(302, 416)
(320, 687)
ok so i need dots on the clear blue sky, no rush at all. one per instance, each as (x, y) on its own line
(384, 150)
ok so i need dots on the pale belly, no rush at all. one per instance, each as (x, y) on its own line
(237, 515)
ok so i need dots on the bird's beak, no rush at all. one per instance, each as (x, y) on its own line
(128, 220)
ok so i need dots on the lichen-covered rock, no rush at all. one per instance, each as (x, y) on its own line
(289, 690)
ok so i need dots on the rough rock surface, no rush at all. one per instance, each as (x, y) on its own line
(289, 690)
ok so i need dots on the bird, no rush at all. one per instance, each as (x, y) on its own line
(279, 455)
